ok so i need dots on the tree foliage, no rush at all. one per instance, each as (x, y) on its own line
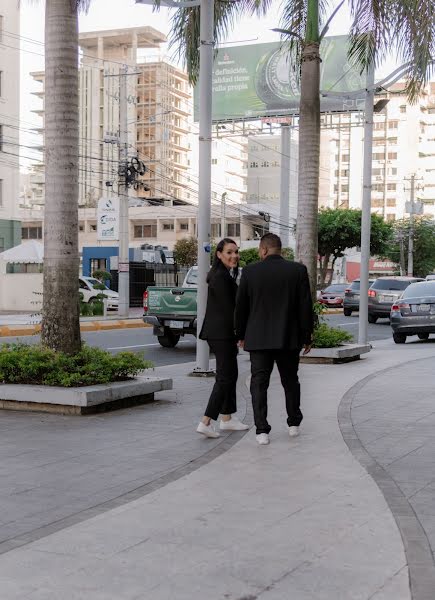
(250, 255)
(424, 245)
(186, 251)
(340, 229)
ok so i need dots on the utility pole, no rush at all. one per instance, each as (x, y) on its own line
(223, 214)
(123, 258)
(411, 229)
(284, 203)
(366, 207)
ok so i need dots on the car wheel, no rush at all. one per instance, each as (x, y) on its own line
(169, 340)
(347, 312)
(372, 318)
(423, 336)
(399, 338)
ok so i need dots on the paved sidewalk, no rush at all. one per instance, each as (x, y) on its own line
(303, 518)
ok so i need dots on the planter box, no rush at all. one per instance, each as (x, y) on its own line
(340, 354)
(82, 400)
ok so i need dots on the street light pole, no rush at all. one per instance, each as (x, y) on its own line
(411, 229)
(366, 207)
(123, 257)
(284, 208)
(204, 205)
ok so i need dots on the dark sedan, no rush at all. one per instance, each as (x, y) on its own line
(414, 312)
(333, 295)
(351, 297)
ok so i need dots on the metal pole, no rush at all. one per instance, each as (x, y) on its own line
(411, 230)
(204, 205)
(223, 215)
(123, 258)
(366, 207)
(284, 202)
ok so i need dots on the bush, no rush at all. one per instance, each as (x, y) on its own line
(329, 337)
(38, 365)
(102, 275)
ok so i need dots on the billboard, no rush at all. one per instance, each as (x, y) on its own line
(262, 80)
(108, 218)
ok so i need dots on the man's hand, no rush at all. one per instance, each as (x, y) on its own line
(241, 344)
(307, 348)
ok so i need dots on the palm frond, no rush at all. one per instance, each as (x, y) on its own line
(405, 26)
(82, 5)
(185, 28)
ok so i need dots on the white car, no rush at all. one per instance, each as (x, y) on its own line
(90, 292)
(191, 279)
(430, 277)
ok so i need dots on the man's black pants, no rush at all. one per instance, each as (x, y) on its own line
(262, 362)
(223, 396)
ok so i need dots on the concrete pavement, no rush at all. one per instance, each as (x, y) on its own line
(345, 511)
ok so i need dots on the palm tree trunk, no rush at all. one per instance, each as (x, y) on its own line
(309, 147)
(60, 321)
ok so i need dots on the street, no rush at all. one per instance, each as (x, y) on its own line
(142, 340)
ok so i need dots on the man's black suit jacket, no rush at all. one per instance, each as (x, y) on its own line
(221, 300)
(274, 309)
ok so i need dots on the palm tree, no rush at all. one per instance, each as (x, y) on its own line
(60, 311)
(378, 27)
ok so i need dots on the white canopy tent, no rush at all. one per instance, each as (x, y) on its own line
(30, 252)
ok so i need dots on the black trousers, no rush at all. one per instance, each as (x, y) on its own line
(223, 396)
(262, 362)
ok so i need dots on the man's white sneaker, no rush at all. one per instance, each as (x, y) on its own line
(233, 425)
(263, 439)
(207, 430)
(293, 431)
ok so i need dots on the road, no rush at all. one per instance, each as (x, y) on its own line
(141, 340)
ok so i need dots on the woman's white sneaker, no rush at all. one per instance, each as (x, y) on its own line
(263, 439)
(207, 430)
(233, 425)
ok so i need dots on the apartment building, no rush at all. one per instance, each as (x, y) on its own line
(10, 233)
(403, 145)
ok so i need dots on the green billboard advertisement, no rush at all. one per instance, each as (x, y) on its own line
(262, 80)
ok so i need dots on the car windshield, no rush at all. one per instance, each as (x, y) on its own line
(336, 287)
(356, 285)
(390, 284)
(94, 282)
(417, 290)
(192, 278)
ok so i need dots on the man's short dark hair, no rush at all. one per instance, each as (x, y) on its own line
(272, 241)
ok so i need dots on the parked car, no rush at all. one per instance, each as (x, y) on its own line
(430, 277)
(191, 279)
(414, 312)
(333, 295)
(384, 292)
(351, 297)
(90, 292)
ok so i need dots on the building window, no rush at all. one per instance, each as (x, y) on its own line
(167, 227)
(345, 157)
(391, 201)
(264, 163)
(392, 156)
(379, 125)
(214, 161)
(184, 226)
(393, 171)
(145, 231)
(393, 124)
(378, 187)
(391, 187)
(335, 187)
(31, 233)
(344, 188)
(215, 230)
(378, 142)
(403, 109)
(253, 164)
(233, 229)
(81, 227)
(345, 172)
(377, 172)
(92, 227)
(379, 156)
(393, 141)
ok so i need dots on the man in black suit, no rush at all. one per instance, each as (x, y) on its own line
(274, 321)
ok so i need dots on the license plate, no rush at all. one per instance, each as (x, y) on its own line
(423, 307)
(386, 298)
(175, 324)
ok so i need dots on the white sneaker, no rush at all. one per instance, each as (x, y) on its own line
(293, 431)
(207, 430)
(263, 439)
(233, 425)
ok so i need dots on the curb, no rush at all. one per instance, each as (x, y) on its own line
(21, 330)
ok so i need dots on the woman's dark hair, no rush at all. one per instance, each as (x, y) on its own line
(217, 261)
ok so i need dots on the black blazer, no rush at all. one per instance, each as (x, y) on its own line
(221, 300)
(274, 309)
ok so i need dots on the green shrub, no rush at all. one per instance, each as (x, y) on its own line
(102, 275)
(38, 365)
(329, 337)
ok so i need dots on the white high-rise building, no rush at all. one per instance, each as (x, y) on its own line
(10, 233)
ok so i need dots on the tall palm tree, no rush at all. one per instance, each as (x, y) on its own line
(379, 26)
(60, 310)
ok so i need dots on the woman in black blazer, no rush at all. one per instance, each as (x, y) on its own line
(218, 330)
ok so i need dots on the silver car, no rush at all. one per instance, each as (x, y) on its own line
(384, 292)
(414, 312)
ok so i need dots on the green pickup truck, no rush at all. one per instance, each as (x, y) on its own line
(171, 311)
